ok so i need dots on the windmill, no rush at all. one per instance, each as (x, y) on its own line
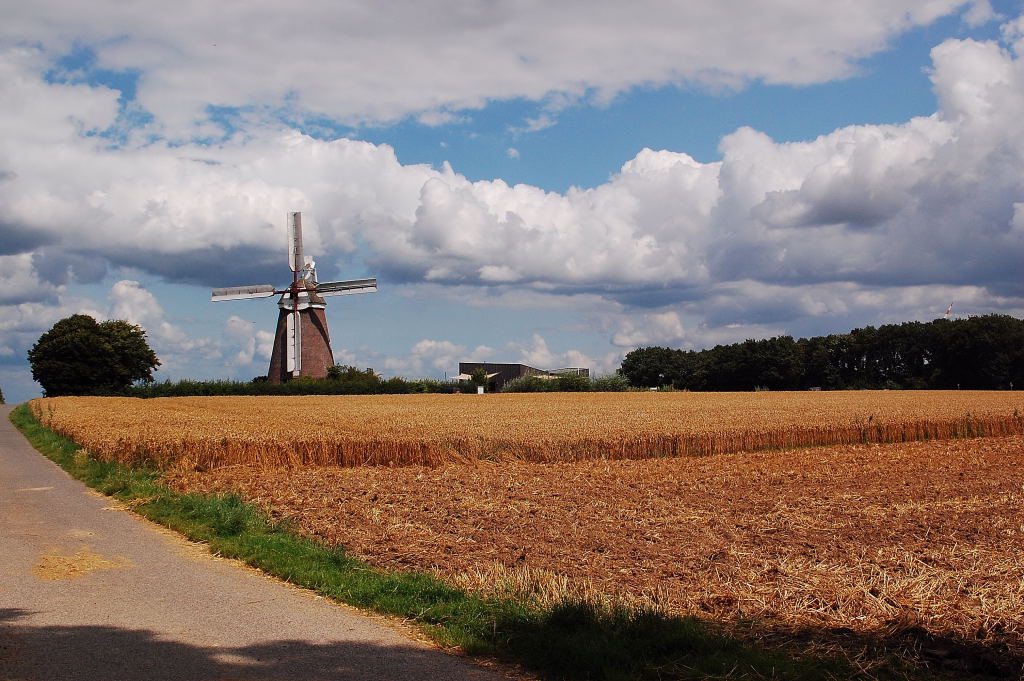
(302, 344)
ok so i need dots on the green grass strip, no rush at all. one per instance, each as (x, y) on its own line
(572, 640)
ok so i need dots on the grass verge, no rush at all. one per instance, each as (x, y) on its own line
(570, 640)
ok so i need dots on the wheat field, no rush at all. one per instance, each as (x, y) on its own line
(856, 546)
(201, 433)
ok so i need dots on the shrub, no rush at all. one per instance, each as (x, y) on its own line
(430, 385)
(612, 383)
(572, 383)
(395, 386)
(568, 383)
(341, 380)
(528, 384)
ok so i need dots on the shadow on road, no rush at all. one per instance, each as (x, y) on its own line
(95, 653)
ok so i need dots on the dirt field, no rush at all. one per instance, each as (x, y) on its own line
(857, 543)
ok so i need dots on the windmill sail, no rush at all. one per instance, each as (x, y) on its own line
(297, 347)
(343, 288)
(242, 292)
(293, 344)
(295, 261)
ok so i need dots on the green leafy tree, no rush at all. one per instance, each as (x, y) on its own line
(985, 352)
(80, 356)
(478, 376)
(349, 380)
(136, 360)
(655, 367)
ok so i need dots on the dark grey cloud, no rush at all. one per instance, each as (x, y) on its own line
(60, 267)
(211, 266)
(17, 236)
(849, 205)
(746, 310)
(42, 294)
(652, 296)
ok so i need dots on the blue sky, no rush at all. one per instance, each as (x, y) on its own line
(553, 184)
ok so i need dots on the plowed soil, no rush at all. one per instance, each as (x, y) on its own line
(866, 541)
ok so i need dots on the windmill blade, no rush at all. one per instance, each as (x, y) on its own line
(344, 288)
(242, 292)
(295, 241)
(298, 343)
(293, 343)
(289, 343)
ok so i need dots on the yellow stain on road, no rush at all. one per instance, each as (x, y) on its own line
(53, 566)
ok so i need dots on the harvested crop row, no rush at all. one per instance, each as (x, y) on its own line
(860, 543)
(208, 432)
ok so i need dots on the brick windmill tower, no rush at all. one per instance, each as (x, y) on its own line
(302, 343)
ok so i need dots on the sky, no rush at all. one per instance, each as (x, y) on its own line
(548, 183)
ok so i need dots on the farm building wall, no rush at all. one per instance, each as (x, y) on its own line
(505, 372)
(574, 371)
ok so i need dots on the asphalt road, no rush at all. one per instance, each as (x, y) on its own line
(89, 592)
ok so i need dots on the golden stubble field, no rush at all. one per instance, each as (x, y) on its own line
(863, 543)
(913, 542)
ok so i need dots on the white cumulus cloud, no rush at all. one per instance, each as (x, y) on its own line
(357, 61)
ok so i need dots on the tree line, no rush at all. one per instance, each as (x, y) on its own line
(80, 356)
(983, 352)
